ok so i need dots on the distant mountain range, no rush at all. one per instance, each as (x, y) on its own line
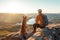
(10, 18)
(53, 18)
(17, 18)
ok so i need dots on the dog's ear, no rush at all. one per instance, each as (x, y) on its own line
(24, 17)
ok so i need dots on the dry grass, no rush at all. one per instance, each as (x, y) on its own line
(4, 33)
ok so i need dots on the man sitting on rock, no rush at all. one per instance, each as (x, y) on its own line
(41, 20)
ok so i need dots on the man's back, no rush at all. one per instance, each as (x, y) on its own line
(42, 20)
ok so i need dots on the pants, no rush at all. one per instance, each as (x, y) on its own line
(37, 26)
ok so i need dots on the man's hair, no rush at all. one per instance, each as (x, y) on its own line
(40, 10)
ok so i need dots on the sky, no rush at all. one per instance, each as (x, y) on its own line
(29, 6)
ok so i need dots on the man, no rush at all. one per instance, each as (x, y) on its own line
(41, 20)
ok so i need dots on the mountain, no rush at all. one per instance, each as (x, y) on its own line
(52, 18)
(35, 36)
(10, 18)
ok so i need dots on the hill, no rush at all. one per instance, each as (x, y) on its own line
(52, 18)
(36, 35)
(10, 18)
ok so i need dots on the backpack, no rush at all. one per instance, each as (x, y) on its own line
(44, 20)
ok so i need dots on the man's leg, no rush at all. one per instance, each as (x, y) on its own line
(35, 26)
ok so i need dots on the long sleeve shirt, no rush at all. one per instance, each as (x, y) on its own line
(42, 20)
(39, 20)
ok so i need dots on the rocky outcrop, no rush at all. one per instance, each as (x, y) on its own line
(29, 36)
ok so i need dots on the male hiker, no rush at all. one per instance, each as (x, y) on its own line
(41, 20)
(40, 30)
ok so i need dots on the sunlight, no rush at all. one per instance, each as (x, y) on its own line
(15, 7)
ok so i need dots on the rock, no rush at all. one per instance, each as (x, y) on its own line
(16, 36)
(38, 35)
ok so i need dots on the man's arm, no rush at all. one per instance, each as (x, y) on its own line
(36, 20)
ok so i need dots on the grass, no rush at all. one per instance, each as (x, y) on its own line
(7, 30)
(12, 29)
(4, 33)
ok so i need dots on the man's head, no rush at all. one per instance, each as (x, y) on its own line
(39, 11)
